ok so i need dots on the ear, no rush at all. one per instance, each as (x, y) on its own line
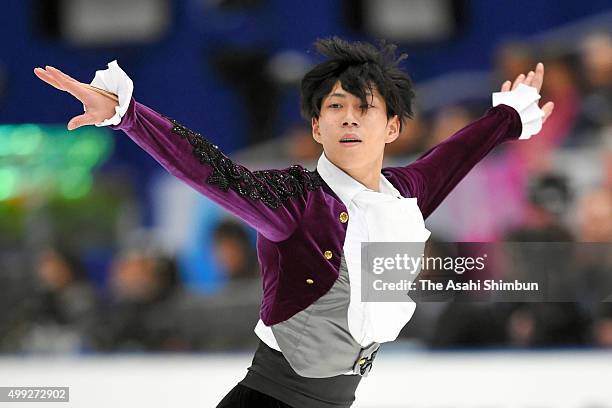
(316, 133)
(393, 129)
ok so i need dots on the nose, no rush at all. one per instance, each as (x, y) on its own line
(352, 123)
(349, 119)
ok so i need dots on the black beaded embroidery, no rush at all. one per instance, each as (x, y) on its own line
(270, 186)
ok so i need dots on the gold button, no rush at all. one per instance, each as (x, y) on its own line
(327, 254)
(309, 281)
(343, 217)
(362, 361)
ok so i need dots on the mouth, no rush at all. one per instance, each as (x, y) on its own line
(350, 138)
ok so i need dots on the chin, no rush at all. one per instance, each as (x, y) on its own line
(347, 161)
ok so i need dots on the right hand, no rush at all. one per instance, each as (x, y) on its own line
(533, 79)
(98, 107)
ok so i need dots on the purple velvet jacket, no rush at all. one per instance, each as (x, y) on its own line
(300, 233)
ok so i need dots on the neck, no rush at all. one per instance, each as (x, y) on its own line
(368, 175)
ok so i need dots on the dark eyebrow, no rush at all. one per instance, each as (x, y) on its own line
(341, 95)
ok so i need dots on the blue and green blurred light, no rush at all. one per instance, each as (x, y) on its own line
(37, 159)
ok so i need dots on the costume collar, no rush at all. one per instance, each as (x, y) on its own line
(346, 187)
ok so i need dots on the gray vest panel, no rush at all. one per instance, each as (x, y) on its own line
(316, 341)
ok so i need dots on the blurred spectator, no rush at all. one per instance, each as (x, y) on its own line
(594, 216)
(244, 70)
(550, 323)
(512, 58)
(225, 320)
(520, 327)
(595, 116)
(301, 147)
(546, 325)
(63, 306)
(462, 321)
(446, 122)
(602, 326)
(235, 252)
(411, 138)
(549, 197)
(596, 57)
(535, 155)
(144, 302)
(594, 229)
(15, 296)
(294, 145)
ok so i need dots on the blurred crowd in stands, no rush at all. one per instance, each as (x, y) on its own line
(50, 304)
(53, 307)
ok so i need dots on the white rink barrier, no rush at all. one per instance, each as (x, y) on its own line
(568, 379)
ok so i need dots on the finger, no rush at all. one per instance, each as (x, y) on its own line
(529, 78)
(75, 90)
(44, 76)
(60, 73)
(73, 87)
(538, 78)
(547, 109)
(81, 120)
(519, 80)
(506, 86)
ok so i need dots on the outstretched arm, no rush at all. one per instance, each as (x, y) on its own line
(271, 201)
(515, 115)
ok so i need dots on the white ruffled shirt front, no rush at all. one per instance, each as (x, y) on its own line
(374, 216)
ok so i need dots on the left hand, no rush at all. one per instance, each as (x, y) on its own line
(535, 80)
(99, 104)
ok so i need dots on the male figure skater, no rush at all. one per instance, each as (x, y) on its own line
(318, 339)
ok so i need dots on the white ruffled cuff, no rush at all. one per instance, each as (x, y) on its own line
(115, 80)
(524, 99)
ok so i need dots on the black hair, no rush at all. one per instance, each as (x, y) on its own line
(71, 259)
(358, 66)
(550, 191)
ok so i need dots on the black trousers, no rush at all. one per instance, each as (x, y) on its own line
(243, 397)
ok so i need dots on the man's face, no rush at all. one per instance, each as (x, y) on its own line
(341, 120)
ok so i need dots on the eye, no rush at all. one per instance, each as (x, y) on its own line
(366, 106)
(334, 105)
